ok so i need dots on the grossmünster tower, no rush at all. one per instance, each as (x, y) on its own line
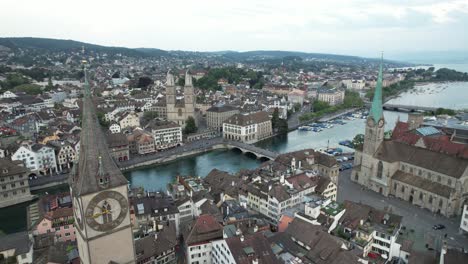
(100, 196)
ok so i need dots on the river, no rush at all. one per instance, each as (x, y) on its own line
(13, 219)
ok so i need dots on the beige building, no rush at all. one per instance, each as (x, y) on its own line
(178, 110)
(141, 142)
(65, 154)
(216, 115)
(118, 147)
(297, 96)
(331, 96)
(248, 128)
(14, 186)
(418, 174)
(129, 119)
(166, 134)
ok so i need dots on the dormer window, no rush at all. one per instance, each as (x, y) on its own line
(5, 171)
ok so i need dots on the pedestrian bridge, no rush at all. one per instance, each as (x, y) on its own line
(248, 149)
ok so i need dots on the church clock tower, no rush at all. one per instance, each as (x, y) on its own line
(100, 196)
(374, 134)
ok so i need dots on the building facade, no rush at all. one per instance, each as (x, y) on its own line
(248, 128)
(216, 115)
(14, 185)
(331, 96)
(37, 158)
(166, 134)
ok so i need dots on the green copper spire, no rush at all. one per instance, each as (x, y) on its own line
(376, 108)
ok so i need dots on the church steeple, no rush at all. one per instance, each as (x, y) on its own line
(375, 121)
(376, 109)
(96, 168)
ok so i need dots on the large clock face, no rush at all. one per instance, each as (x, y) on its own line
(106, 211)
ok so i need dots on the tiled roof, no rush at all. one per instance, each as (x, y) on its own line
(248, 119)
(250, 248)
(422, 183)
(392, 151)
(205, 229)
(9, 167)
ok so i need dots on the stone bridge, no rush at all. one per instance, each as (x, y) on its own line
(409, 108)
(259, 153)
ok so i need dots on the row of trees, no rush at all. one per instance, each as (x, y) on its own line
(351, 100)
(232, 75)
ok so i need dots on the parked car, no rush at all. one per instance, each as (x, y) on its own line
(438, 227)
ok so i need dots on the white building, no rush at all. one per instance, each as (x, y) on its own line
(38, 158)
(331, 96)
(248, 128)
(198, 238)
(166, 134)
(8, 94)
(129, 119)
(114, 128)
(464, 219)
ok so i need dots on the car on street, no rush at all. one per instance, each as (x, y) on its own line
(438, 227)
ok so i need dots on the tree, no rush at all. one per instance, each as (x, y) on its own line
(190, 126)
(358, 140)
(148, 116)
(320, 105)
(181, 82)
(283, 126)
(275, 119)
(144, 82)
(31, 89)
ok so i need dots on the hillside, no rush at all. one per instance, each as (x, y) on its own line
(42, 45)
(60, 45)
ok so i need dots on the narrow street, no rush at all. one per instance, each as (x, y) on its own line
(414, 217)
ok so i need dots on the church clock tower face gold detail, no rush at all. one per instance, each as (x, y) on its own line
(106, 211)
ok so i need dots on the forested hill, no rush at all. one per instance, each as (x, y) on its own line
(61, 45)
(44, 45)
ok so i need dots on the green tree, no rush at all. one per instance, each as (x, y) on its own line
(283, 126)
(148, 116)
(275, 119)
(190, 126)
(320, 105)
(50, 84)
(31, 89)
(358, 140)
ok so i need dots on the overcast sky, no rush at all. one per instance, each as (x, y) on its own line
(361, 27)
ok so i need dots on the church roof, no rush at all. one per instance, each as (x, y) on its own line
(393, 151)
(96, 170)
(376, 109)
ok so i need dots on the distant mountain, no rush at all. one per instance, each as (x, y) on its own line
(60, 45)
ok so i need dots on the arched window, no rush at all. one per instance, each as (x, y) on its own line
(380, 170)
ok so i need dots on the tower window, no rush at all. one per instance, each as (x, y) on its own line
(380, 170)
